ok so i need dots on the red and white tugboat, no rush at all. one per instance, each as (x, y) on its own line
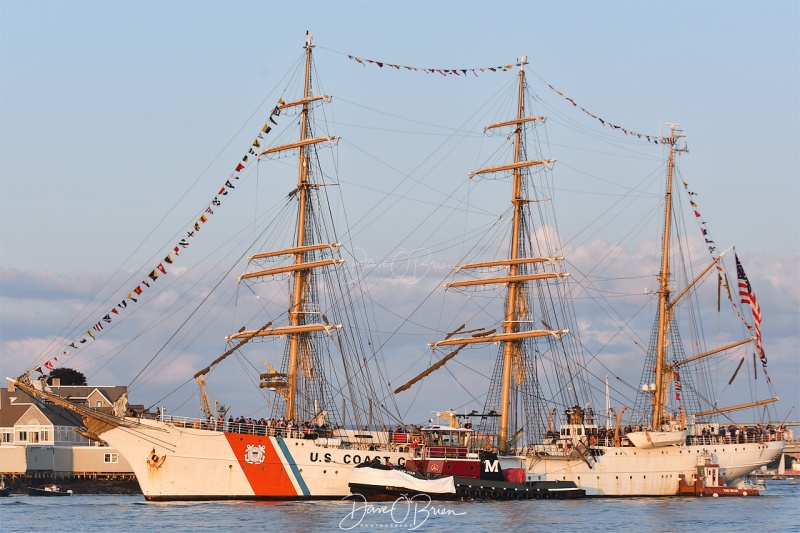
(708, 482)
(453, 462)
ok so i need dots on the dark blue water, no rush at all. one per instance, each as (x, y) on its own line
(776, 510)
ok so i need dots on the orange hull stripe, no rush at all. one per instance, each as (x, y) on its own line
(262, 465)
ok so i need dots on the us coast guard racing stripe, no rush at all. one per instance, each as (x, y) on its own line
(286, 458)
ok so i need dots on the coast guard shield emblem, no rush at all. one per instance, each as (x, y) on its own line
(255, 454)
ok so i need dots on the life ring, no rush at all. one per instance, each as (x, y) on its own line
(593, 441)
(415, 440)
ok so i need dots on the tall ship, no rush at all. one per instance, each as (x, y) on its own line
(327, 398)
(538, 404)
(309, 445)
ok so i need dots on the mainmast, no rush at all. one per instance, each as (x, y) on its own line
(664, 309)
(511, 322)
(517, 263)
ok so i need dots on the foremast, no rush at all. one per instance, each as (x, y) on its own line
(296, 313)
(300, 307)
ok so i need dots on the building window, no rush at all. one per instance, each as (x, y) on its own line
(110, 458)
(6, 437)
(22, 436)
(44, 435)
(34, 436)
(98, 403)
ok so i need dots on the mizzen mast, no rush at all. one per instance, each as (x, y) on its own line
(664, 309)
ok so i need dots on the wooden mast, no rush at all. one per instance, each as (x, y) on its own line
(300, 276)
(664, 309)
(511, 323)
(511, 336)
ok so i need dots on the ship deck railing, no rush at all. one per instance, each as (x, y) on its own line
(566, 446)
(556, 446)
(296, 432)
(732, 439)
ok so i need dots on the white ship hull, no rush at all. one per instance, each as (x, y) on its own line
(182, 463)
(177, 463)
(632, 471)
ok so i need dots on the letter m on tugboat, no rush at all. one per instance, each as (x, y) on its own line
(491, 465)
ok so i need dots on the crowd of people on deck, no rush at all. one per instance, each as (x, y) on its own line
(731, 434)
(739, 434)
(277, 427)
(280, 427)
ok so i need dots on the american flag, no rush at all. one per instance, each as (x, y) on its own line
(747, 297)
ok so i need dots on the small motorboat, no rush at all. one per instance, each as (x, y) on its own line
(5, 490)
(49, 490)
(754, 484)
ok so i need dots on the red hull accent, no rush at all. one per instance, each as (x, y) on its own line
(470, 468)
(265, 471)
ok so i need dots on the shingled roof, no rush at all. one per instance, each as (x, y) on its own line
(13, 405)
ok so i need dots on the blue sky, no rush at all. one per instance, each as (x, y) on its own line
(119, 119)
